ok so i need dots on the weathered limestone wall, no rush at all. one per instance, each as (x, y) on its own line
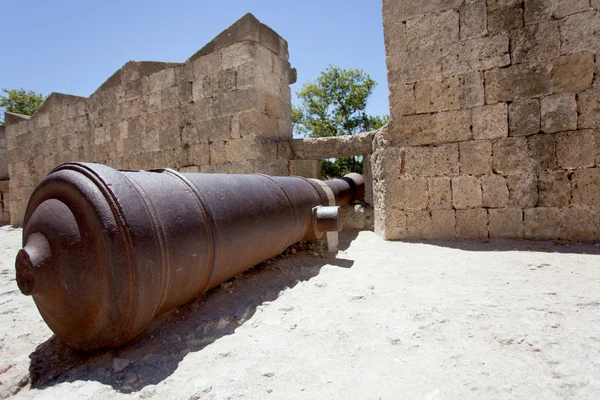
(495, 120)
(226, 109)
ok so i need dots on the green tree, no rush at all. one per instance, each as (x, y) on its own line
(20, 101)
(334, 105)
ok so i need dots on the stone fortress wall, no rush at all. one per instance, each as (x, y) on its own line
(494, 130)
(226, 109)
(495, 120)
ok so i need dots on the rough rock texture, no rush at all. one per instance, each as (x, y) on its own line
(225, 109)
(502, 97)
(347, 327)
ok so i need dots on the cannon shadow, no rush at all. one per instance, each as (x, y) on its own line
(156, 353)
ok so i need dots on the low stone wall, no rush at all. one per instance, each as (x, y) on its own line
(305, 155)
(226, 109)
(495, 121)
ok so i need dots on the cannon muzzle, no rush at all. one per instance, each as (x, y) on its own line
(107, 251)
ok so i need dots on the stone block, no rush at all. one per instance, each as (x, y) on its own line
(572, 73)
(219, 82)
(476, 55)
(431, 161)
(100, 136)
(418, 225)
(466, 192)
(395, 38)
(510, 156)
(255, 123)
(443, 224)
(543, 10)
(580, 32)
(437, 95)
(506, 223)
(589, 108)
(265, 165)
(285, 128)
(306, 169)
(554, 188)
(244, 52)
(559, 112)
(494, 191)
(475, 157)
(490, 122)
(413, 66)
(473, 19)
(472, 223)
(440, 193)
(535, 42)
(504, 15)
(277, 107)
(542, 223)
(239, 101)
(577, 149)
(161, 80)
(394, 11)
(217, 129)
(522, 190)
(199, 154)
(272, 41)
(542, 152)
(207, 64)
(251, 75)
(169, 97)
(586, 187)
(169, 139)
(394, 224)
(524, 117)
(198, 90)
(356, 217)
(402, 99)
(580, 224)
(41, 120)
(185, 72)
(472, 90)
(521, 81)
(76, 109)
(216, 151)
(425, 129)
(339, 146)
(419, 34)
(408, 193)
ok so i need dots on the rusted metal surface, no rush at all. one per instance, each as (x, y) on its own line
(106, 251)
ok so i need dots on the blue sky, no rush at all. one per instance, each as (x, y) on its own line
(73, 46)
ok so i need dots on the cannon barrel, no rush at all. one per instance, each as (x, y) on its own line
(107, 251)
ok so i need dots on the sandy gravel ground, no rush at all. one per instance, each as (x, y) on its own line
(384, 320)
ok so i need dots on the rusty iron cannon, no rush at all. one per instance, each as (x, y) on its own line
(107, 251)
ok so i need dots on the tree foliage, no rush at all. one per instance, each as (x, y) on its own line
(20, 101)
(335, 105)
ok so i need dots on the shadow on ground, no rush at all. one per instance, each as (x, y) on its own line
(555, 246)
(157, 352)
